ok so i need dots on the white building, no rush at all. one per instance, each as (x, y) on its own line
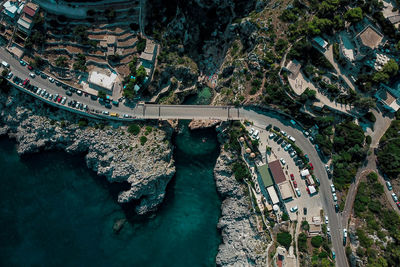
(100, 81)
(12, 8)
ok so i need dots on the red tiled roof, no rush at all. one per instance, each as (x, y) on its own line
(29, 11)
(276, 170)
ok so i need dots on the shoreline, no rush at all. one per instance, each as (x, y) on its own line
(109, 151)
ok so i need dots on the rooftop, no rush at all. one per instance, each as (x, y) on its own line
(370, 37)
(294, 68)
(10, 8)
(286, 190)
(272, 194)
(265, 175)
(388, 98)
(276, 171)
(102, 80)
(33, 6)
(29, 11)
(24, 24)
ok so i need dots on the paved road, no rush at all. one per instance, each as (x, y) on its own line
(146, 111)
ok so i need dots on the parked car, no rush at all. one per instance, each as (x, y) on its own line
(298, 192)
(336, 207)
(58, 83)
(395, 199)
(306, 133)
(292, 176)
(294, 209)
(333, 255)
(291, 138)
(305, 211)
(44, 76)
(126, 116)
(26, 82)
(276, 128)
(334, 197)
(37, 72)
(306, 156)
(312, 167)
(271, 136)
(283, 133)
(69, 93)
(9, 75)
(106, 113)
(23, 63)
(55, 97)
(30, 67)
(107, 105)
(269, 126)
(51, 79)
(345, 232)
(283, 144)
(293, 154)
(59, 99)
(279, 141)
(79, 92)
(333, 188)
(251, 131)
(43, 92)
(389, 185)
(283, 161)
(295, 184)
(287, 147)
(63, 100)
(326, 220)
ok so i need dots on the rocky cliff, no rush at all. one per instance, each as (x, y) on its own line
(242, 243)
(110, 151)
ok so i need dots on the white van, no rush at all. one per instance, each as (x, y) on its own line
(291, 138)
(5, 64)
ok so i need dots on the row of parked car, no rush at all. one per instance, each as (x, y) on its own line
(394, 196)
(39, 91)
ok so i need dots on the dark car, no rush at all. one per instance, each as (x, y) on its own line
(280, 141)
(336, 207)
(269, 126)
(93, 97)
(44, 76)
(30, 67)
(58, 83)
(37, 72)
(26, 82)
(277, 129)
(305, 211)
(107, 105)
(69, 93)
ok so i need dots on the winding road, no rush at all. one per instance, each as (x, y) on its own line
(148, 111)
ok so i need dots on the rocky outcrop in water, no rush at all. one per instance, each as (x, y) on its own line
(243, 244)
(202, 124)
(110, 151)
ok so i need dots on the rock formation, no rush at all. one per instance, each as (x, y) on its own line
(202, 124)
(111, 151)
(242, 243)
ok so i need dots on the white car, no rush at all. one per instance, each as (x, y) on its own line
(283, 133)
(79, 92)
(326, 220)
(328, 230)
(344, 232)
(395, 199)
(126, 116)
(283, 161)
(271, 136)
(63, 100)
(293, 154)
(32, 75)
(251, 131)
(106, 113)
(298, 192)
(333, 188)
(51, 79)
(334, 197)
(291, 138)
(293, 209)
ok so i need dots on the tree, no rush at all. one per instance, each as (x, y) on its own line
(61, 62)
(37, 62)
(285, 239)
(302, 242)
(134, 129)
(316, 241)
(365, 103)
(391, 68)
(143, 140)
(141, 74)
(141, 45)
(354, 15)
(101, 94)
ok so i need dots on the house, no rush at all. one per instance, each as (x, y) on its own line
(12, 8)
(148, 56)
(25, 21)
(265, 175)
(276, 171)
(369, 37)
(390, 98)
(285, 190)
(273, 195)
(320, 43)
(100, 81)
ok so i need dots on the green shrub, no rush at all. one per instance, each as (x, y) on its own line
(285, 239)
(316, 241)
(83, 123)
(143, 140)
(134, 129)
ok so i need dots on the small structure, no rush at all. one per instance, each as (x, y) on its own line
(293, 67)
(248, 150)
(25, 22)
(320, 43)
(276, 171)
(252, 155)
(10, 8)
(16, 51)
(109, 44)
(312, 190)
(148, 57)
(100, 81)
(389, 98)
(370, 37)
(304, 173)
(286, 191)
(273, 195)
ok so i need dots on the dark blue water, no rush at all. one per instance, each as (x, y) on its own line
(56, 212)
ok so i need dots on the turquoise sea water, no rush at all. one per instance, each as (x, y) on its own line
(56, 212)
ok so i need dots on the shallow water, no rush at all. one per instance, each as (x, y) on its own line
(56, 212)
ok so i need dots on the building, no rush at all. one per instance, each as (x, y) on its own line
(12, 8)
(148, 57)
(25, 21)
(370, 37)
(293, 67)
(390, 98)
(273, 195)
(100, 81)
(276, 171)
(265, 175)
(320, 43)
(286, 191)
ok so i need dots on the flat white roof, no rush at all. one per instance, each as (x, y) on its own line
(24, 24)
(10, 8)
(312, 189)
(273, 195)
(305, 172)
(102, 80)
(285, 189)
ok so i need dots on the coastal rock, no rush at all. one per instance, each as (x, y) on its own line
(242, 244)
(110, 151)
(202, 124)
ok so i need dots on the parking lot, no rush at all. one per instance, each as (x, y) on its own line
(278, 152)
